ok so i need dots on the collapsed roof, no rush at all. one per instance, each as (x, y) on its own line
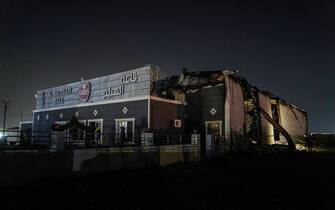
(193, 81)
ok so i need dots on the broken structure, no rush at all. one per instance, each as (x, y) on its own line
(220, 105)
(224, 106)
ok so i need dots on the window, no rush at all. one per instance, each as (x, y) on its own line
(97, 135)
(177, 123)
(76, 134)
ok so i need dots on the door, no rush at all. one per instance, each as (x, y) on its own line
(213, 132)
(125, 130)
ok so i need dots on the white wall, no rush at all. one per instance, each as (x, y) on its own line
(267, 128)
(293, 120)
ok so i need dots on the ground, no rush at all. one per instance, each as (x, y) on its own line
(237, 181)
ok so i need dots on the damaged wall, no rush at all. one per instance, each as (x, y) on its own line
(267, 128)
(293, 120)
(243, 111)
(235, 107)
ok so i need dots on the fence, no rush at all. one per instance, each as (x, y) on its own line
(86, 139)
(166, 139)
(12, 139)
(82, 139)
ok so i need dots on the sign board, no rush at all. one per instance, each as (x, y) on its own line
(122, 85)
(84, 91)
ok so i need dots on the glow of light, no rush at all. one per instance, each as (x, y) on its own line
(1, 134)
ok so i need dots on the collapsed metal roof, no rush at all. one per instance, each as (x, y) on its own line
(192, 81)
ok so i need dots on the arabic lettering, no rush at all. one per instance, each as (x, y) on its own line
(117, 91)
(113, 92)
(132, 77)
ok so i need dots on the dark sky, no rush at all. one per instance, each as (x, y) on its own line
(287, 47)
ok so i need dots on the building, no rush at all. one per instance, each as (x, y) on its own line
(117, 104)
(220, 105)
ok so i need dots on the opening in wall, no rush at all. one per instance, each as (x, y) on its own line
(125, 130)
(214, 130)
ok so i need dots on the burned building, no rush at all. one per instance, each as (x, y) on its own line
(220, 105)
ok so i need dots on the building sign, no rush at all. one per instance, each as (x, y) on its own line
(57, 95)
(121, 85)
(128, 78)
(84, 92)
(117, 91)
(61, 92)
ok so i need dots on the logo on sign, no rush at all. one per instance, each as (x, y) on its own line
(84, 92)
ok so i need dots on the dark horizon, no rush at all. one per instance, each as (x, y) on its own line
(281, 46)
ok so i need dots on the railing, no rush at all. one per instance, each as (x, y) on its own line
(15, 139)
(80, 139)
(168, 139)
(73, 140)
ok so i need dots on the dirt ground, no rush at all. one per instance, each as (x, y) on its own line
(283, 181)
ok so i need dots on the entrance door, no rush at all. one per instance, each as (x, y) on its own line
(213, 132)
(125, 130)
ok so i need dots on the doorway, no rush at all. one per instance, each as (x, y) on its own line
(213, 132)
(125, 130)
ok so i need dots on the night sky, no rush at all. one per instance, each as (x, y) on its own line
(287, 47)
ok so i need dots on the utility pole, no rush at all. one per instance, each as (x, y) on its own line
(5, 102)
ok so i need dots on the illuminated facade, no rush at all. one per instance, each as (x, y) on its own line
(219, 105)
(116, 104)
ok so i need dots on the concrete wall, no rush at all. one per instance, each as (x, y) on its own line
(213, 97)
(28, 166)
(162, 114)
(199, 106)
(194, 119)
(324, 139)
(107, 112)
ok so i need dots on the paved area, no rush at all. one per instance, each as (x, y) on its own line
(282, 181)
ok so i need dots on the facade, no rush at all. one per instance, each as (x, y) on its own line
(219, 105)
(117, 105)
